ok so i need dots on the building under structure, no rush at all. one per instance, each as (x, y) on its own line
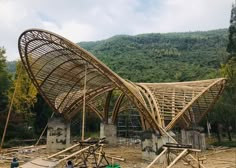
(68, 77)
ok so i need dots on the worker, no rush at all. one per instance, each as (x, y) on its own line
(14, 163)
(69, 164)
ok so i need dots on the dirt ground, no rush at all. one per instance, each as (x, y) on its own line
(215, 158)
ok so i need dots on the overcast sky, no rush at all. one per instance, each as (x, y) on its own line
(90, 20)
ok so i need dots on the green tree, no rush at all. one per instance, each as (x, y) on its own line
(231, 48)
(227, 105)
(4, 80)
(42, 113)
(25, 96)
(229, 69)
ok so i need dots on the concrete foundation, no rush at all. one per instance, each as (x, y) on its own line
(58, 134)
(194, 137)
(152, 144)
(109, 131)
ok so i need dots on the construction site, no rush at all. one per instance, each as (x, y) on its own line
(142, 125)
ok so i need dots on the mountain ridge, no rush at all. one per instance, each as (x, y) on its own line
(156, 57)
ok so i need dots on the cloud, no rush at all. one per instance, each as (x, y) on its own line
(72, 30)
(90, 20)
(192, 15)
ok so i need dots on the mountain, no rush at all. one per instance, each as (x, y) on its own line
(165, 57)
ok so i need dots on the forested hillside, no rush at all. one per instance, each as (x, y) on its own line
(163, 57)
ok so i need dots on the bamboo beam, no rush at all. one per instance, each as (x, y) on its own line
(67, 149)
(76, 153)
(165, 149)
(177, 158)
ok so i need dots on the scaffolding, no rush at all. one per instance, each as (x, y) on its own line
(129, 125)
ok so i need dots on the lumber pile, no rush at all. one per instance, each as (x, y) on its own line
(23, 154)
(87, 153)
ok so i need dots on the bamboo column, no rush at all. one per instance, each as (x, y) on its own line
(83, 120)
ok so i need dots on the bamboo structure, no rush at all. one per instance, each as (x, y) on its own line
(57, 68)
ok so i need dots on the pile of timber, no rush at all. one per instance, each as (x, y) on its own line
(23, 154)
(88, 153)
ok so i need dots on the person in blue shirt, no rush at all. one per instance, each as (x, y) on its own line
(14, 163)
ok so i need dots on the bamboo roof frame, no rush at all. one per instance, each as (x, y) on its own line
(56, 66)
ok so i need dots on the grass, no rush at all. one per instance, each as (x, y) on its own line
(92, 134)
(225, 143)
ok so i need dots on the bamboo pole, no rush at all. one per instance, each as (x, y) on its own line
(65, 150)
(43, 131)
(83, 121)
(196, 161)
(8, 116)
(10, 108)
(165, 149)
(177, 158)
(76, 153)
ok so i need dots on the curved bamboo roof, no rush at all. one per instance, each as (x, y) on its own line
(57, 68)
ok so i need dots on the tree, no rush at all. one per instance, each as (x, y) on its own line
(25, 96)
(231, 48)
(227, 104)
(42, 113)
(5, 80)
(229, 69)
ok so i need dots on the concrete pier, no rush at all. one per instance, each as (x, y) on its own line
(152, 144)
(110, 132)
(58, 134)
(194, 137)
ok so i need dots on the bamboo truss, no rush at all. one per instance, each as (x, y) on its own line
(57, 68)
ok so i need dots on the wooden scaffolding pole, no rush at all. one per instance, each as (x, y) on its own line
(40, 137)
(83, 120)
(161, 154)
(10, 108)
(178, 157)
(8, 117)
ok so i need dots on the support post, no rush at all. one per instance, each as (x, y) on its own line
(110, 132)
(194, 137)
(151, 145)
(83, 118)
(58, 134)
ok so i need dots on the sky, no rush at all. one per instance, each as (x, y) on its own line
(92, 20)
